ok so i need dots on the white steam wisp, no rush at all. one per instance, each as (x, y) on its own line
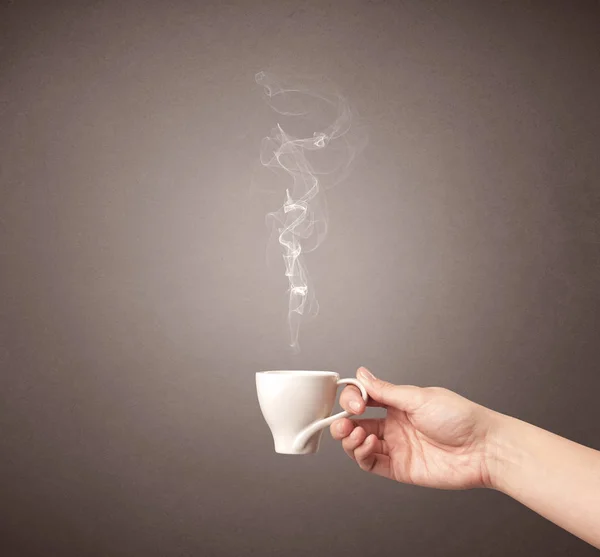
(300, 224)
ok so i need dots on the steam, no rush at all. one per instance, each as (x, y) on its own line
(300, 224)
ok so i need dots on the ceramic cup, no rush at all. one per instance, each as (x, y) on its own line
(297, 405)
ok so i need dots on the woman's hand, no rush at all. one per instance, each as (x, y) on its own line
(435, 438)
(430, 436)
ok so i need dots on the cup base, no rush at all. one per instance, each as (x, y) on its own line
(287, 447)
(290, 452)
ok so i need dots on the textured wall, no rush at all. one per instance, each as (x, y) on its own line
(136, 305)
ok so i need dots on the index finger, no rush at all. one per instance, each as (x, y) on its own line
(352, 401)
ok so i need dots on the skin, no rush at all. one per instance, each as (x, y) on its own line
(433, 437)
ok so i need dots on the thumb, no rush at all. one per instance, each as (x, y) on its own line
(403, 397)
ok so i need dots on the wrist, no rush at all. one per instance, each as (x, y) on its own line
(502, 452)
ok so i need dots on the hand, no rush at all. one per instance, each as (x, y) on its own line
(430, 436)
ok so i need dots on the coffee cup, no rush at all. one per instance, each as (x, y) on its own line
(297, 406)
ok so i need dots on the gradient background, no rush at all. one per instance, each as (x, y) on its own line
(136, 306)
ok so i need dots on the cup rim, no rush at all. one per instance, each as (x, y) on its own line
(298, 372)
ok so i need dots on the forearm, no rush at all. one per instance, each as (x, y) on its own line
(555, 477)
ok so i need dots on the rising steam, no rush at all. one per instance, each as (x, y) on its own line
(300, 224)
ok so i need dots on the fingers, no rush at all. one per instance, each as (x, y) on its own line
(381, 394)
(340, 429)
(352, 433)
(369, 457)
(352, 401)
(403, 397)
(353, 441)
(361, 441)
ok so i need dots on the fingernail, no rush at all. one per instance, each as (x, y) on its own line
(365, 374)
(355, 405)
(340, 427)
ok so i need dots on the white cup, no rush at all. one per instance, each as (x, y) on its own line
(297, 405)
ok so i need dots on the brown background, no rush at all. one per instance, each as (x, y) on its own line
(136, 305)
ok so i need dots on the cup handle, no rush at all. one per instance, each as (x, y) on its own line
(311, 429)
